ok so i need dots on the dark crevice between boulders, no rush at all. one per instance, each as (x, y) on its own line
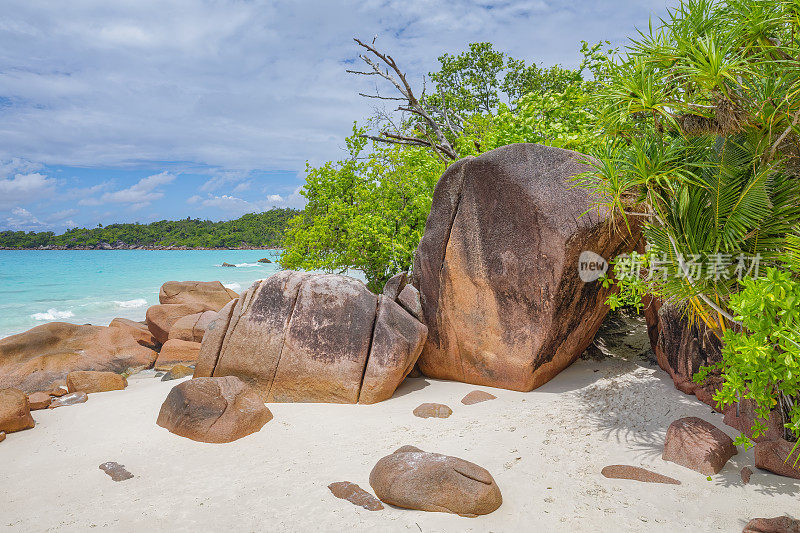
(369, 349)
(283, 336)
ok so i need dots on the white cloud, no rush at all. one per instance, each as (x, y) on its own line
(24, 188)
(235, 84)
(275, 198)
(141, 193)
(22, 219)
(194, 199)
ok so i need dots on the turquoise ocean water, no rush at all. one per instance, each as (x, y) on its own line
(95, 286)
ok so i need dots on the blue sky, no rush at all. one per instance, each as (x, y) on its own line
(143, 110)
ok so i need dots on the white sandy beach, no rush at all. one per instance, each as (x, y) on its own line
(545, 449)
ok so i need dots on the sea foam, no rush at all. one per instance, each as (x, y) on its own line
(52, 314)
(131, 304)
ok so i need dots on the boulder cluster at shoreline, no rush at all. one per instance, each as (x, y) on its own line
(487, 304)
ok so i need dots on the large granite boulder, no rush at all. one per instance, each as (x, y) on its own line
(15, 413)
(40, 358)
(213, 410)
(414, 479)
(211, 295)
(179, 299)
(498, 268)
(304, 337)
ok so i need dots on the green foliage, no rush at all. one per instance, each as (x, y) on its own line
(701, 115)
(254, 229)
(480, 79)
(366, 212)
(761, 361)
(563, 119)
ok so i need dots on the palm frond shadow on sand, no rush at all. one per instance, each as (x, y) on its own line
(633, 404)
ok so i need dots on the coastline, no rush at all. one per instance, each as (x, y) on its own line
(107, 246)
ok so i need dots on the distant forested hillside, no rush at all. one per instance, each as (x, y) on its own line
(257, 230)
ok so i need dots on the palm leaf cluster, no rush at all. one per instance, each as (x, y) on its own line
(702, 113)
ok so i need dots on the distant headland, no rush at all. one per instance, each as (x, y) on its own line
(252, 231)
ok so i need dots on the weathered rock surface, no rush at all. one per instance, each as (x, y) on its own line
(15, 415)
(781, 524)
(176, 351)
(746, 473)
(90, 381)
(410, 301)
(351, 492)
(477, 396)
(414, 479)
(192, 328)
(636, 473)
(497, 268)
(138, 330)
(776, 457)
(116, 471)
(177, 372)
(39, 400)
(682, 348)
(210, 295)
(432, 410)
(41, 358)
(161, 318)
(73, 398)
(304, 337)
(179, 299)
(694, 443)
(221, 409)
(395, 285)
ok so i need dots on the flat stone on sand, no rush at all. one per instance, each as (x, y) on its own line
(477, 396)
(116, 471)
(636, 473)
(69, 399)
(433, 410)
(355, 495)
(746, 473)
(781, 524)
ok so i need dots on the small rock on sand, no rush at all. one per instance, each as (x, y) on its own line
(433, 410)
(781, 524)
(61, 390)
(39, 400)
(355, 495)
(636, 474)
(477, 396)
(694, 443)
(69, 399)
(178, 371)
(116, 471)
(2, 436)
(746, 473)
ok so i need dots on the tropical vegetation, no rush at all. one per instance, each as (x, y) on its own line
(701, 115)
